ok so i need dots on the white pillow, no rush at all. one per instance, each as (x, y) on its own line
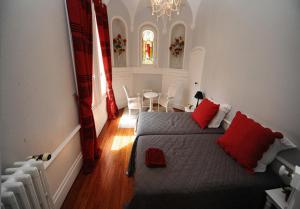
(268, 157)
(216, 121)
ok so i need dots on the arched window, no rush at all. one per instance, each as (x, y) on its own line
(148, 47)
(148, 44)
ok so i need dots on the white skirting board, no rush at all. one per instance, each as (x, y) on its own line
(65, 185)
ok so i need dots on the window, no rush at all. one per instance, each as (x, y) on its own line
(148, 47)
(148, 44)
(99, 80)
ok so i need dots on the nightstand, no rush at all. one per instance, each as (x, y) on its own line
(187, 109)
(275, 197)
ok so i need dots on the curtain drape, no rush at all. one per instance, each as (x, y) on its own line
(80, 20)
(103, 31)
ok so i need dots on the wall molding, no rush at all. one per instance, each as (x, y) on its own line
(148, 70)
(66, 184)
(58, 150)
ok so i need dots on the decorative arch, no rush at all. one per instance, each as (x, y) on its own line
(152, 46)
(119, 26)
(177, 29)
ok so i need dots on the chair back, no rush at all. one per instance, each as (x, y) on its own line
(126, 92)
(172, 90)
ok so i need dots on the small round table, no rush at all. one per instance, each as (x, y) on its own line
(151, 96)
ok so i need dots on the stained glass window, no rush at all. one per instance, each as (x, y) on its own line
(148, 47)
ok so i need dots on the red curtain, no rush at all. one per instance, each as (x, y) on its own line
(80, 20)
(103, 31)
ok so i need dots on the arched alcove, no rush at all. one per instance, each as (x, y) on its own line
(177, 45)
(119, 42)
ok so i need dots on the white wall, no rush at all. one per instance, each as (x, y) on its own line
(252, 58)
(147, 81)
(38, 110)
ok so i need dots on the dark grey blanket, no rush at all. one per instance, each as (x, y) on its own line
(199, 175)
(165, 123)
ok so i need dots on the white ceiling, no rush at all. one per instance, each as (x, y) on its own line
(133, 4)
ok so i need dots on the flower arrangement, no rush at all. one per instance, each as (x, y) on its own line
(119, 44)
(177, 46)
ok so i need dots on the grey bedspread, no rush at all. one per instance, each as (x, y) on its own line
(199, 175)
(165, 123)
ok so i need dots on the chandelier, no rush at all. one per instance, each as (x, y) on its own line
(165, 7)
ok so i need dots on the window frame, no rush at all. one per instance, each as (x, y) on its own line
(143, 48)
(148, 26)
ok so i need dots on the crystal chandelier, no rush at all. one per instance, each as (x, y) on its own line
(165, 7)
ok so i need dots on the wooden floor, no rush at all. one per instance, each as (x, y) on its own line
(107, 187)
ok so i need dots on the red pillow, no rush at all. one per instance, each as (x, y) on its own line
(205, 112)
(246, 140)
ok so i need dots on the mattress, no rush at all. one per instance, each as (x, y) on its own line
(164, 123)
(199, 175)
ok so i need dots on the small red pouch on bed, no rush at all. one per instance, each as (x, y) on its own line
(154, 158)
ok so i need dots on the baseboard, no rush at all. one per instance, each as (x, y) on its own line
(64, 187)
(178, 106)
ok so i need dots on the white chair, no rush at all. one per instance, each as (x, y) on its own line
(167, 100)
(133, 103)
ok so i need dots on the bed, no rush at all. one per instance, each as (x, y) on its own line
(199, 175)
(164, 123)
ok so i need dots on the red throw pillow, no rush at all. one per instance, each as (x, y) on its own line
(246, 140)
(205, 112)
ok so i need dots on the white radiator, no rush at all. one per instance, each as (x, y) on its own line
(25, 187)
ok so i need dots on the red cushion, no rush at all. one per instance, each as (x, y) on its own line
(205, 112)
(246, 140)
